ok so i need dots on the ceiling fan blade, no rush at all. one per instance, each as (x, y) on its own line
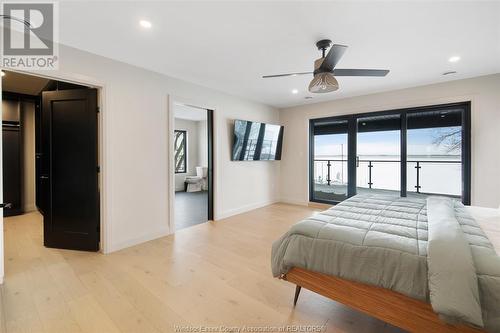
(283, 75)
(360, 72)
(333, 57)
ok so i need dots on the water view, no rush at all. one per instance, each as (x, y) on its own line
(433, 162)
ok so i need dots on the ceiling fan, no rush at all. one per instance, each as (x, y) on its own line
(325, 72)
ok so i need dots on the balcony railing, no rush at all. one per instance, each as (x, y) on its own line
(324, 168)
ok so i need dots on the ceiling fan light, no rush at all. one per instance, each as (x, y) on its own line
(323, 83)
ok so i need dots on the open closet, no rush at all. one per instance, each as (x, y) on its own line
(50, 158)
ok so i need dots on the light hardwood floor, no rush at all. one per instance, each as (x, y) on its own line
(212, 274)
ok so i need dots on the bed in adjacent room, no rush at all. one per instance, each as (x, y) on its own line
(422, 264)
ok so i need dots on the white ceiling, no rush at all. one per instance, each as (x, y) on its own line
(230, 45)
(187, 112)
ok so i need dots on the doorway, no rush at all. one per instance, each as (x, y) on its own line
(193, 165)
(408, 152)
(50, 160)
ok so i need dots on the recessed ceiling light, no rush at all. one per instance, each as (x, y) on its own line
(454, 59)
(145, 24)
(295, 91)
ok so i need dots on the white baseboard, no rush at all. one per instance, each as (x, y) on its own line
(166, 231)
(294, 201)
(218, 216)
(138, 240)
(243, 209)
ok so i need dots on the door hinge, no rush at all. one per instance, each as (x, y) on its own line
(98, 168)
(98, 110)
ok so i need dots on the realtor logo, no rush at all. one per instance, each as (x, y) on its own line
(29, 36)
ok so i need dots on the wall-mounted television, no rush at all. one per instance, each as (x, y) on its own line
(254, 141)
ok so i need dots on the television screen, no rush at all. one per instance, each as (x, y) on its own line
(256, 141)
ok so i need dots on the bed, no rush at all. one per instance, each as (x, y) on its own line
(422, 264)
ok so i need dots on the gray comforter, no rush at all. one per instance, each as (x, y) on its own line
(429, 249)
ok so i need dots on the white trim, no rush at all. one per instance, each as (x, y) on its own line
(165, 231)
(170, 165)
(244, 209)
(171, 101)
(292, 201)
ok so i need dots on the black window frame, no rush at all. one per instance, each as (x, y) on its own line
(183, 133)
(403, 113)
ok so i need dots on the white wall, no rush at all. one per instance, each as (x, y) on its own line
(28, 134)
(202, 143)
(193, 137)
(484, 92)
(135, 151)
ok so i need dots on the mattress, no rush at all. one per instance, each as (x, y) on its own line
(383, 240)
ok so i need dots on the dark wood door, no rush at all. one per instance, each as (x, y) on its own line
(41, 204)
(69, 170)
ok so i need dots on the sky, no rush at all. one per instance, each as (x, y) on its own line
(420, 142)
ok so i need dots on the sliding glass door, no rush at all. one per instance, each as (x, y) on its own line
(329, 163)
(378, 161)
(435, 152)
(408, 152)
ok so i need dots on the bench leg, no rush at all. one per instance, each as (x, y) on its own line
(297, 292)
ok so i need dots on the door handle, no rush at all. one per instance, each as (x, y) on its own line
(6, 205)
(44, 177)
